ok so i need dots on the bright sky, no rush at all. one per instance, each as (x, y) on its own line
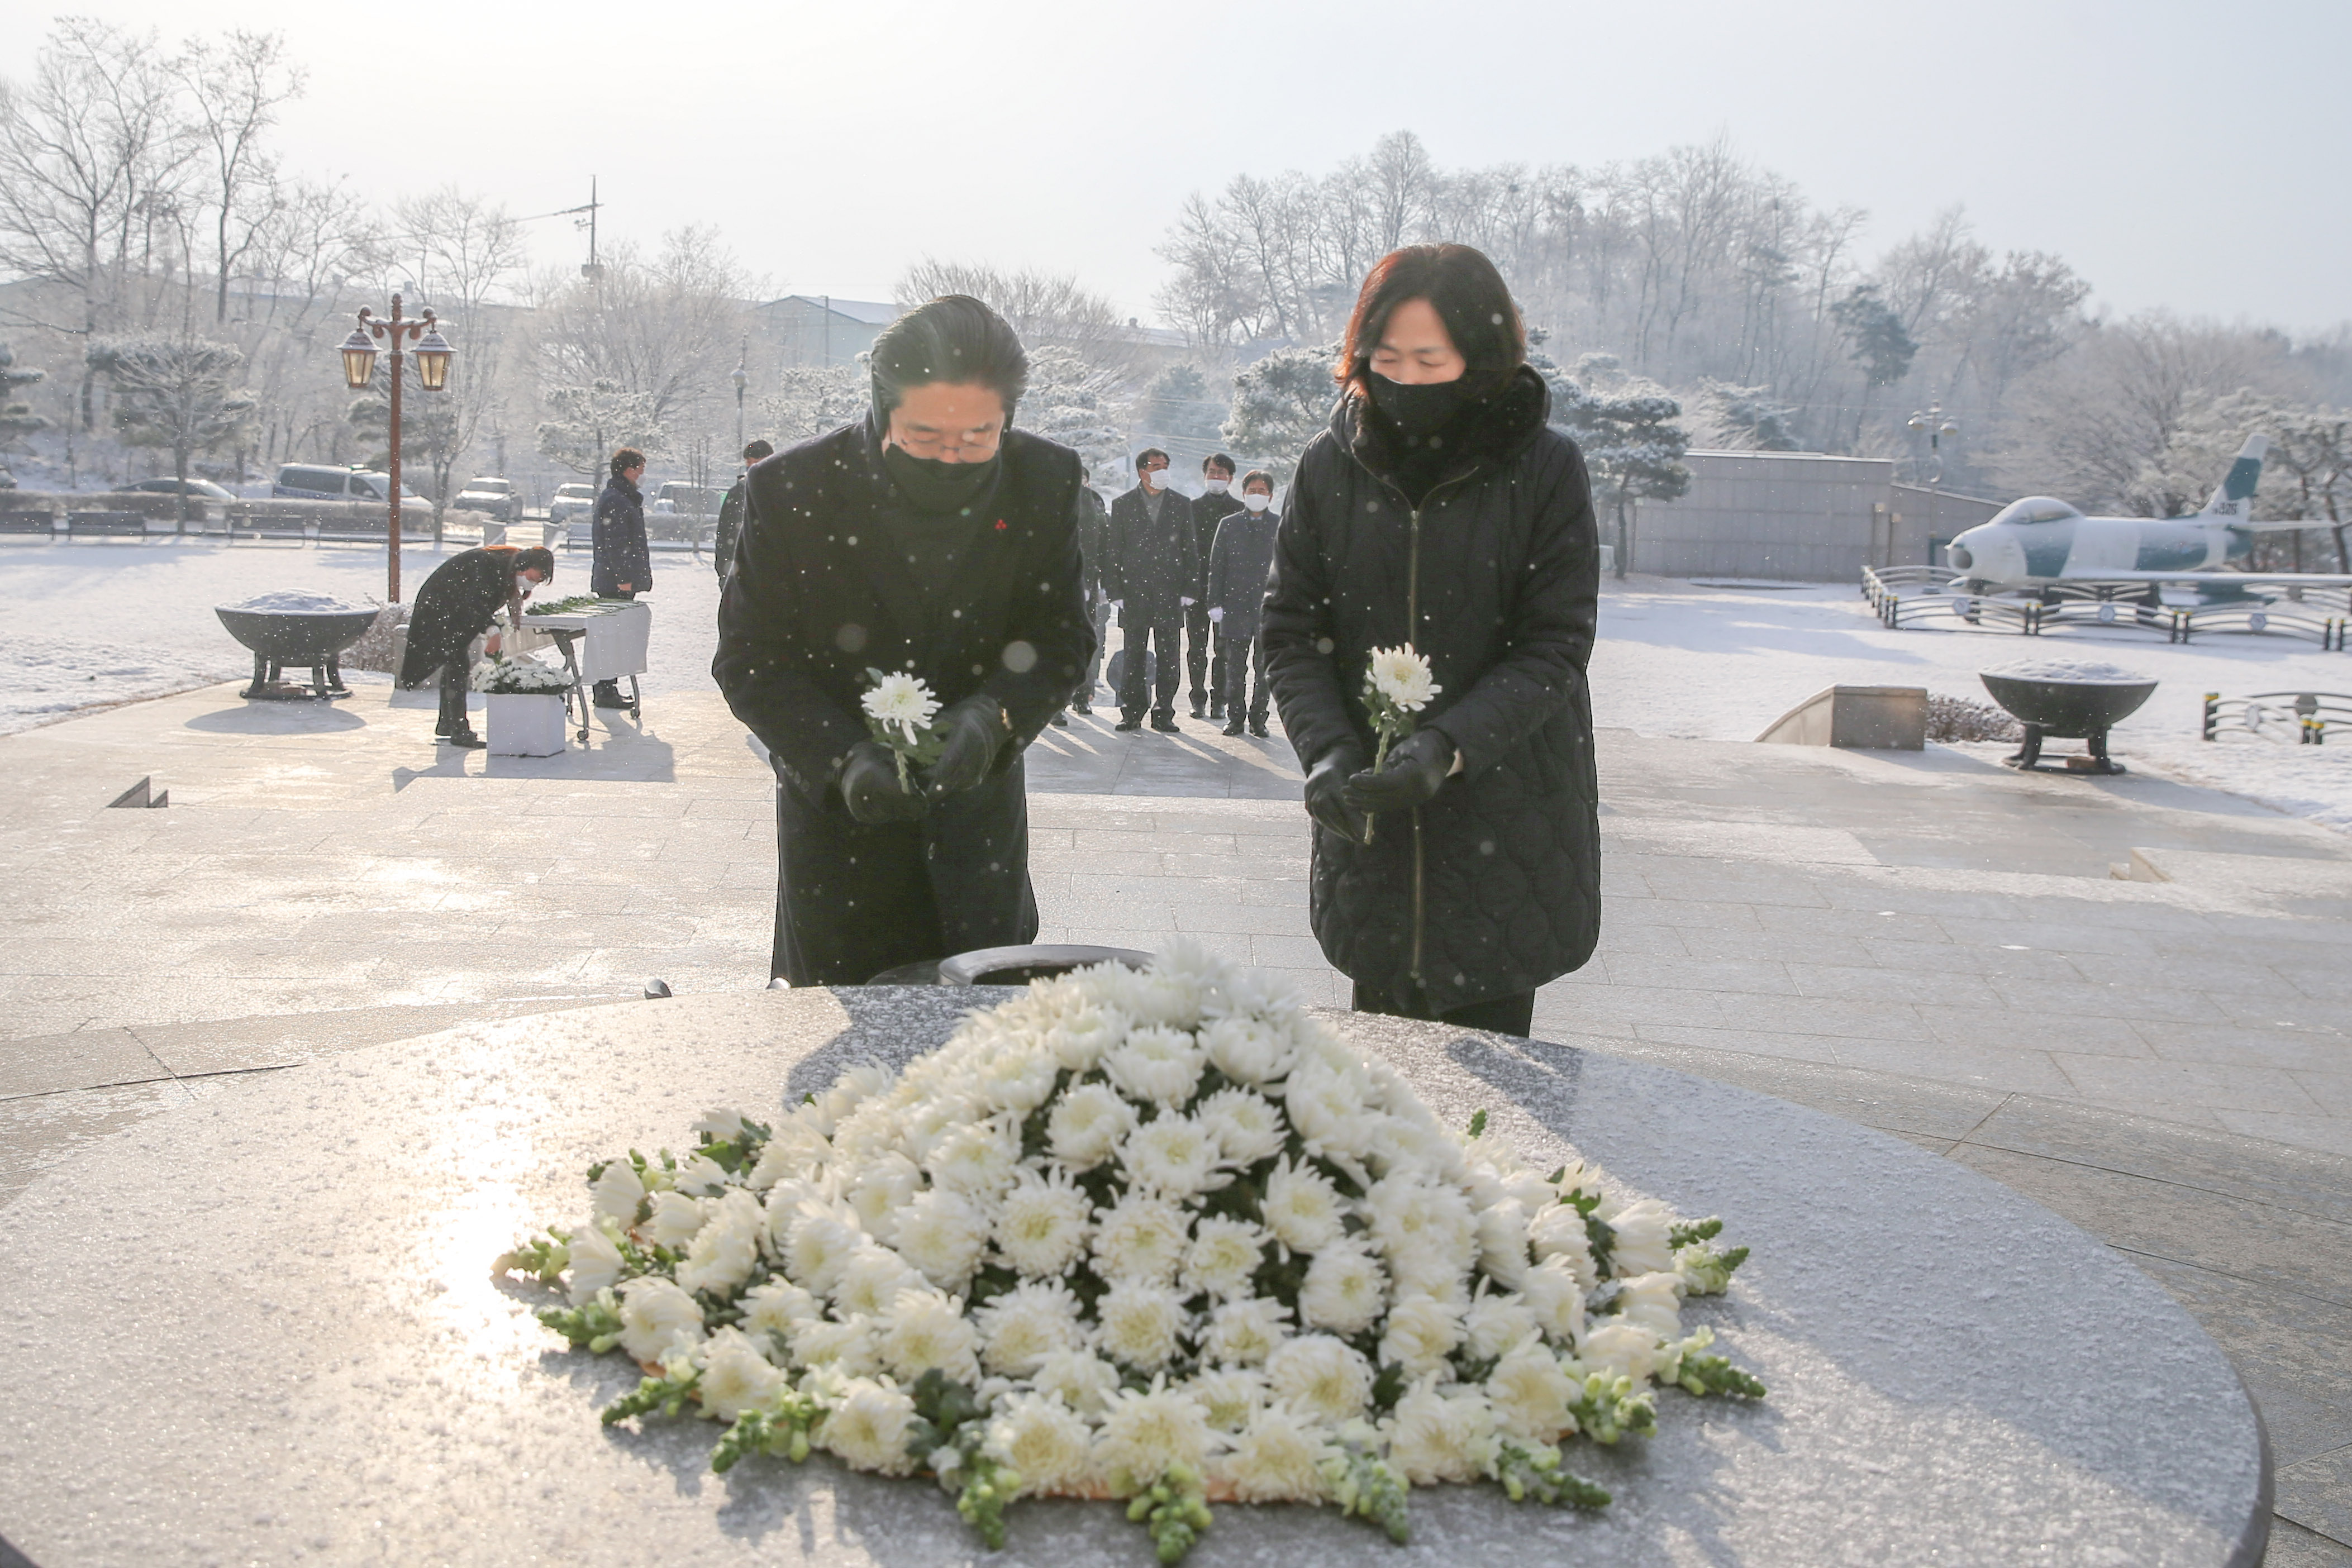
(2178, 152)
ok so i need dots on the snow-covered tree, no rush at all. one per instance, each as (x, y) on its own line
(1280, 403)
(813, 400)
(587, 424)
(183, 394)
(1626, 427)
(18, 419)
(1728, 418)
(1070, 402)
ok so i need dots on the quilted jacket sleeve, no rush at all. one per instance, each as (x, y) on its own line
(1297, 632)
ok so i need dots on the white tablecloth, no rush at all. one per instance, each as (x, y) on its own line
(618, 634)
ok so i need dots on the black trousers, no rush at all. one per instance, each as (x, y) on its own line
(1162, 635)
(1245, 660)
(613, 688)
(1203, 634)
(1514, 1014)
(1100, 613)
(453, 698)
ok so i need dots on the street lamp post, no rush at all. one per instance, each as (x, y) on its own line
(433, 353)
(1938, 425)
(741, 381)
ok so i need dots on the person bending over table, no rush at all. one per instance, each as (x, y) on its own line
(455, 605)
(927, 539)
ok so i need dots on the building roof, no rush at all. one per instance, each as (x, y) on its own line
(866, 312)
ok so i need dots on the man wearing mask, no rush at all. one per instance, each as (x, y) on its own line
(928, 540)
(455, 605)
(730, 514)
(1238, 563)
(1213, 505)
(1093, 523)
(623, 566)
(1151, 570)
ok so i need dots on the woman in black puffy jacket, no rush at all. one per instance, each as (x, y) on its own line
(1439, 509)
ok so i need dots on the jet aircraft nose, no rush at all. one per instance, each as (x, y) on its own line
(1988, 551)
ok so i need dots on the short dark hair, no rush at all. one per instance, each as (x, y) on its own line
(1469, 296)
(954, 339)
(626, 458)
(1146, 454)
(537, 558)
(757, 450)
(1253, 475)
(1217, 460)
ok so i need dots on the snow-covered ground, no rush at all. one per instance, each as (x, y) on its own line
(82, 625)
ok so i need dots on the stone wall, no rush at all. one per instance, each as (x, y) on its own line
(1792, 516)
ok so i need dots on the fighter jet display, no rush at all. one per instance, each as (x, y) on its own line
(2039, 542)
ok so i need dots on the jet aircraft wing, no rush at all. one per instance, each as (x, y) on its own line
(2239, 579)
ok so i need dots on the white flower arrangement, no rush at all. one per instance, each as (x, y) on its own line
(1158, 1236)
(899, 708)
(518, 676)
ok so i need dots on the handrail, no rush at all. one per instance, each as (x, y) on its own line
(1908, 594)
(2309, 712)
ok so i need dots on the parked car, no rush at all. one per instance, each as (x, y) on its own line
(310, 482)
(495, 497)
(197, 489)
(692, 500)
(571, 501)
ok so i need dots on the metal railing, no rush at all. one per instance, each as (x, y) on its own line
(2275, 716)
(1905, 595)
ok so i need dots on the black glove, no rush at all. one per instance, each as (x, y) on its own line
(973, 729)
(869, 785)
(1416, 766)
(1327, 782)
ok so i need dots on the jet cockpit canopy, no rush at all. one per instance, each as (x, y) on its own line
(2035, 509)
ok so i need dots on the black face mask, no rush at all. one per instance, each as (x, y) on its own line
(931, 485)
(1418, 409)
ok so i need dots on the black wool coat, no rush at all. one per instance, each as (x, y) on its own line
(1209, 509)
(455, 605)
(730, 524)
(817, 597)
(618, 532)
(1493, 887)
(1151, 566)
(1238, 564)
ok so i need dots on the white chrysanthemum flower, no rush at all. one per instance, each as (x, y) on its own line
(1046, 1443)
(1495, 1325)
(596, 1263)
(901, 702)
(1081, 1379)
(1303, 1208)
(881, 1188)
(727, 1249)
(1142, 1237)
(657, 1318)
(1411, 1216)
(1155, 1063)
(1441, 1437)
(1531, 1394)
(779, 1307)
(1278, 1457)
(1653, 1301)
(1643, 1229)
(1018, 1079)
(1229, 1396)
(1248, 1049)
(867, 1426)
(979, 1158)
(942, 1234)
(1327, 1107)
(1171, 1154)
(1344, 1289)
(675, 1221)
(1528, 1190)
(1034, 1319)
(618, 1190)
(871, 1281)
(1140, 1324)
(721, 1122)
(1041, 1230)
(700, 1176)
(1421, 1332)
(1143, 1435)
(1157, 995)
(1087, 1123)
(1255, 993)
(1403, 677)
(1621, 1349)
(1245, 1332)
(735, 1376)
(817, 1247)
(1246, 1126)
(1556, 1297)
(1226, 1253)
(1503, 1242)
(846, 1348)
(797, 1149)
(925, 1329)
(1321, 1377)
(1079, 1037)
(1559, 1231)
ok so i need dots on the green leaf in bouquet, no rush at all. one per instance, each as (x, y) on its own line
(1536, 1473)
(666, 1394)
(595, 1327)
(1367, 1487)
(541, 1255)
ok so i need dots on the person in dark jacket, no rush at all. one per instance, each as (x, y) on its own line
(1093, 525)
(1439, 509)
(730, 513)
(928, 540)
(1213, 505)
(457, 604)
(1151, 568)
(621, 567)
(1238, 562)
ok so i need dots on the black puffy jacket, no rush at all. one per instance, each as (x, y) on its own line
(618, 533)
(1493, 887)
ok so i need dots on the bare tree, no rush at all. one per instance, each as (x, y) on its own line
(1044, 308)
(665, 330)
(466, 250)
(236, 85)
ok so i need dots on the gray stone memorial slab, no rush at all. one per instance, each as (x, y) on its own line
(263, 1329)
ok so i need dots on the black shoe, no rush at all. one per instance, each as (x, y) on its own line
(1233, 727)
(1165, 723)
(611, 699)
(1061, 721)
(1199, 710)
(466, 740)
(1084, 710)
(1216, 710)
(1128, 723)
(1257, 727)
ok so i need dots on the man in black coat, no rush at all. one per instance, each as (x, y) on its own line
(1093, 527)
(730, 513)
(455, 605)
(931, 540)
(1213, 505)
(1151, 570)
(623, 566)
(1238, 563)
